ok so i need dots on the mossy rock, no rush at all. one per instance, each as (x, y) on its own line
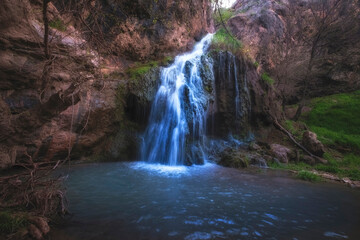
(233, 158)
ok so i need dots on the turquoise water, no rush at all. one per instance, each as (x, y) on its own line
(149, 201)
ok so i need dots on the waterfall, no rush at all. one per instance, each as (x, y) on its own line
(176, 130)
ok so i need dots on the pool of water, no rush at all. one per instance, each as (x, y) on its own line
(142, 201)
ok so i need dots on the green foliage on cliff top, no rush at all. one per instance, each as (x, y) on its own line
(226, 14)
(335, 119)
(223, 40)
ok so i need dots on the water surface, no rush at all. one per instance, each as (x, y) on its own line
(143, 201)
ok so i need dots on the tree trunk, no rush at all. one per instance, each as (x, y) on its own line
(298, 111)
(46, 29)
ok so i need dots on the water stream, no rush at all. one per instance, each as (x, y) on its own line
(150, 201)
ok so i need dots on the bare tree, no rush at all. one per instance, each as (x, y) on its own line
(335, 23)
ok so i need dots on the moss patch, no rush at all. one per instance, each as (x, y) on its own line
(139, 70)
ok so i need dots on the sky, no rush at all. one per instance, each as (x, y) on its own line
(227, 3)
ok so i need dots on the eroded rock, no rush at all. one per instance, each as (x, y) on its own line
(311, 143)
(280, 152)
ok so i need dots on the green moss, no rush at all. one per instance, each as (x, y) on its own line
(335, 119)
(10, 223)
(140, 69)
(308, 176)
(256, 64)
(58, 24)
(226, 14)
(266, 78)
(225, 41)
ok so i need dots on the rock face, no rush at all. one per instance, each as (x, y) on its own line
(272, 33)
(230, 112)
(80, 101)
(280, 152)
(311, 143)
(143, 30)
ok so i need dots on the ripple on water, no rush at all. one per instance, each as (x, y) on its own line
(335, 235)
(198, 236)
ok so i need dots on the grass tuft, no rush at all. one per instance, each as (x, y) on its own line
(308, 176)
(58, 24)
(266, 78)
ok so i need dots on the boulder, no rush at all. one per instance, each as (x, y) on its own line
(311, 143)
(232, 158)
(280, 152)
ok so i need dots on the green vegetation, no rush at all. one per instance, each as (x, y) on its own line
(256, 64)
(266, 78)
(140, 69)
(290, 166)
(226, 14)
(10, 223)
(348, 166)
(308, 176)
(223, 40)
(58, 24)
(335, 119)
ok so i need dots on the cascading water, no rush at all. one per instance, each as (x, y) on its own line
(178, 115)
